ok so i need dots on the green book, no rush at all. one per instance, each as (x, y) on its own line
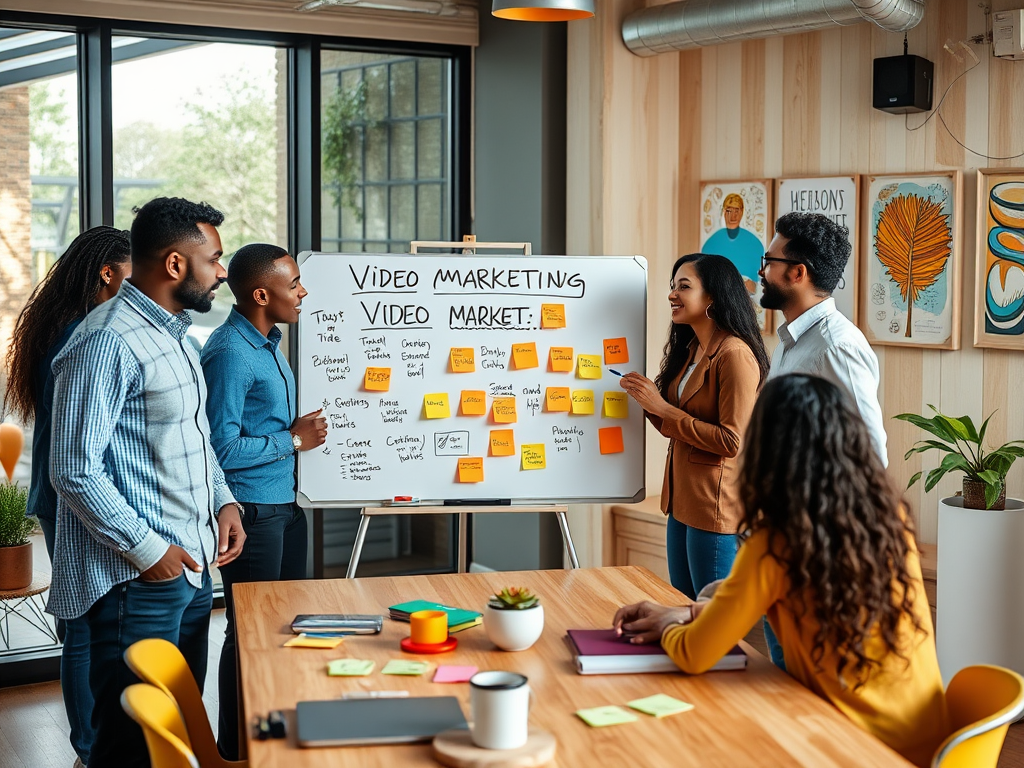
(456, 616)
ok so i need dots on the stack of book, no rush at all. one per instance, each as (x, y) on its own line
(458, 618)
(602, 652)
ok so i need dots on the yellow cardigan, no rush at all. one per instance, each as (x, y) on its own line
(902, 704)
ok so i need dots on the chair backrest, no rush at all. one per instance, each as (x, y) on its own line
(160, 663)
(982, 701)
(162, 726)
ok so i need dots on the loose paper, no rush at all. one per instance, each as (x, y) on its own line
(524, 355)
(560, 359)
(349, 668)
(616, 405)
(660, 705)
(588, 366)
(447, 673)
(552, 315)
(404, 667)
(504, 410)
(436, 405)
(503, 442)
(598, 717)
(533, 456)
(462, 360)
(377, 379)
(615, 351)
(474, 402)
(557, 399)
(471, 470)
(583, 402)
(610, 439)
(313, 641)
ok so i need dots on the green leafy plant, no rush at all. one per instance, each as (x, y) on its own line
(963, 445)
(14, 526)
(514, 598)
(344, 116)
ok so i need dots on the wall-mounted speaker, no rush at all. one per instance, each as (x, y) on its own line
(903, 84)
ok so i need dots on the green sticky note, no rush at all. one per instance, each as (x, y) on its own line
(598, 717)
(660, 705)
(403, 667)
(349, 667)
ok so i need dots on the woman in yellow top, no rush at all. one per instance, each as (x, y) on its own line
(830, 559)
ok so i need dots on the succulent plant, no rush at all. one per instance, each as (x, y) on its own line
(514, 598)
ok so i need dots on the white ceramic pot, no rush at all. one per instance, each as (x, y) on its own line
(979, 612)
(513, 629)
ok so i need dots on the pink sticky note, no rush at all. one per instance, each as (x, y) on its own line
(450, 674)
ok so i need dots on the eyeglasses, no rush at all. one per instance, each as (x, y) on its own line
(766, 258)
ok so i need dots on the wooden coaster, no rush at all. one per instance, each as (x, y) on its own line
(410, 647)
(455, 748)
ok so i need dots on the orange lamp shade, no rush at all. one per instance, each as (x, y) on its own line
(12, 439)
(543, 10)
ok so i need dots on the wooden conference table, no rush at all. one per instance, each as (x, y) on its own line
(758, 717)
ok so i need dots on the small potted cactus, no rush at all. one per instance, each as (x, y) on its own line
(514, 618)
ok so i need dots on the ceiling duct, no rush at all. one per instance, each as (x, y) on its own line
(692, 24)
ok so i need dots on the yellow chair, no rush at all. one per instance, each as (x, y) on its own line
(161, 723)
(983, 700)
(160, 663)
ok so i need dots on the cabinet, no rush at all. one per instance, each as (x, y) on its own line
(639, 534)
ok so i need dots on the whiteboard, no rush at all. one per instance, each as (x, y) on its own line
(402, 315)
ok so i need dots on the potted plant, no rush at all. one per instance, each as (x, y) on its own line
(15, 547)
(514, 618)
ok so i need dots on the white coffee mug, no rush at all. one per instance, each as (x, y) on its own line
(501, 709)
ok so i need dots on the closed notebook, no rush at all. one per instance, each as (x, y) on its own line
(457, 617)
(602, 652)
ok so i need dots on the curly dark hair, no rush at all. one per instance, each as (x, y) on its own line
(810, 476)
(249, 265)
(732, 310)
(819, 243)
(166, 222)
(66, 294)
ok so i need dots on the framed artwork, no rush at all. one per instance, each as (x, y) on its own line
(910, 295)
(734, 223)
(836, 197)
(999, 287)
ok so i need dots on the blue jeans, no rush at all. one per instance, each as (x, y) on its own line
(74, 666)
(173, 610)
(696, 557)
(774, 646)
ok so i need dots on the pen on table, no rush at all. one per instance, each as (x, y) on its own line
(375, 695)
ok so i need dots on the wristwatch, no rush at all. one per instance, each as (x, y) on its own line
(296, 441)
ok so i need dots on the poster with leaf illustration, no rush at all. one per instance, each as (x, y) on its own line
(911, 268)
(999, 284)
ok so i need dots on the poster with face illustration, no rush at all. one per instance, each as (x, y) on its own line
(999, 286)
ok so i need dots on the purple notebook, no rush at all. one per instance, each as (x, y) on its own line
(604, 642)
(601, 651)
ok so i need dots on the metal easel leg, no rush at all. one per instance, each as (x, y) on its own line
(357, 548)
(563, 523)
(463, 544)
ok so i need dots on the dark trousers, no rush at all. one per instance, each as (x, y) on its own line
(173, 610)
(275, 549)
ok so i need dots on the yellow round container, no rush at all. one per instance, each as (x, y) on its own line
(428, 627)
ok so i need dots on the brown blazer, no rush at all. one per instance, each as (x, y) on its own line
(706, 428)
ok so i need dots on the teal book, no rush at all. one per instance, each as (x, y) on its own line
(456, 616)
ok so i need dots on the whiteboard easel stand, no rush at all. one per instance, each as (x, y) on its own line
(468, 246)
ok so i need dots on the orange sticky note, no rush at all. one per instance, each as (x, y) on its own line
(616, 405)
(436, 405)
(583, 402)
(462, 360)
(504, 410)
(615, 351)
(377, 379)
(474, 402)
(610, 439)
(503, 442)
(552, 315)
(557, 399)
(525, 355)
(588, 366)
(471, 469)
(560, 359)
(533, 456)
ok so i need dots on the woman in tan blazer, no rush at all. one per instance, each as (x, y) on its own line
(702, 398)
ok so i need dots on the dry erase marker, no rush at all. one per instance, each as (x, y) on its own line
(375, 695)
(400, 500)
(612, 370)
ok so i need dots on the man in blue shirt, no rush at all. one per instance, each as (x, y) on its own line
(142, 506)
(255, 434)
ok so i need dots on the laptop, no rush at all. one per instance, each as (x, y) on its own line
(341, 723)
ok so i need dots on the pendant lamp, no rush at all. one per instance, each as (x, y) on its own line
(543, 10)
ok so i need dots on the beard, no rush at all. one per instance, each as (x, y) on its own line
(772, 297)
(192, 295)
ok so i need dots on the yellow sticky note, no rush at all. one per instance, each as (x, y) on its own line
(557, 399)
(474, 402)
(504, 410)
(583, 402)
(377, 379)
(462, 360)
(616, 405)
(588, 366)
(312, 641)
(471, 469)
(552, 315)
(560, 359)
(503, 442)
(533, 456)
(610, 439)
(436, 405)
(615, 351)
(525, 355)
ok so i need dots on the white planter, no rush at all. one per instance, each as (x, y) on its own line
(980, 591)
(514, 630)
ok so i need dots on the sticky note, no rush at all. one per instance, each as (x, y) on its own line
(462, 360)
(583, 402)
(610, 439)
(312, 641)
(598, 717)
(560, 359)
(616, 405)
(405, 667)
(660, 705)
(436, 405)
(471, 469)
(588, 366)
(447, 673)
(473, 402)
(503, 442)
(552, 315)
(525, 355)
(504, 410)
(377, 379)
(533, 456)
(557, 399)
(615, 351)
(349, 668)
